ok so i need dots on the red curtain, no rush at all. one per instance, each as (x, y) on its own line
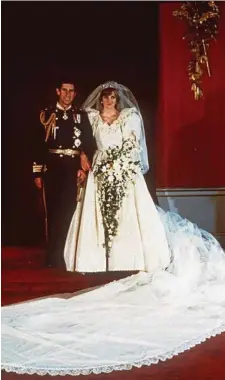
(190, 133)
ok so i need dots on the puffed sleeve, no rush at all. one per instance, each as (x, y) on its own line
(133, 126)
(93, 118)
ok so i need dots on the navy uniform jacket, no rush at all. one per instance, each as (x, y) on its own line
(60, 130)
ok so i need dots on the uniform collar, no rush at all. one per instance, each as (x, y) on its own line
(61, 108)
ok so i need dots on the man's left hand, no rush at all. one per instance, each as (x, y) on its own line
(85, 164)
(81, 177)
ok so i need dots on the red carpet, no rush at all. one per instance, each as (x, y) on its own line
(24, 277)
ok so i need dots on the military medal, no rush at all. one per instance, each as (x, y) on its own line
(65, 116)
(77, 133)
(76, 118)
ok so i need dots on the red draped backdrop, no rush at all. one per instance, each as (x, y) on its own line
(190, 133)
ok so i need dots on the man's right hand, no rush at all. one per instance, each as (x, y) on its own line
(38, 182)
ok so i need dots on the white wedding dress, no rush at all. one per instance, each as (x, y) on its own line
(139, 320)
(141, 243)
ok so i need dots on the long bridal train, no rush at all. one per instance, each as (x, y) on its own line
(136, 321)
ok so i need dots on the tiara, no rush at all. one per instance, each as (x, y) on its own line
(110, 84)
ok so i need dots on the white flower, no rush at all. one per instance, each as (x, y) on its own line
(119, 176)
(116, 165)
(114, 173)
(126, 165)
(110, 178)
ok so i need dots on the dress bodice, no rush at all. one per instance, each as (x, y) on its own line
(108, 135)
(112, 135)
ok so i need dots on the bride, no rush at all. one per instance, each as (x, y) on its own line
(117, 226)
(177, 299)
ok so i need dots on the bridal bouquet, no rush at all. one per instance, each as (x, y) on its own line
(114, 172)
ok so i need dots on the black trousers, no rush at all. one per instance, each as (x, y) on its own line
(61, 194)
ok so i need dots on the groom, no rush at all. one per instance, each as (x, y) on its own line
(64, 148)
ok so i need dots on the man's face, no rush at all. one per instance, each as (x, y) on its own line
(66, 94)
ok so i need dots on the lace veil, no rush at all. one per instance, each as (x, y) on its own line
(127, 100)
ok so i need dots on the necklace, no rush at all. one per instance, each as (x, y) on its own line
(109, 119)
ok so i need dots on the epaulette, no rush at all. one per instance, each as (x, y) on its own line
(47, 119)
(47, 112)
(76, 110)
(80, 110)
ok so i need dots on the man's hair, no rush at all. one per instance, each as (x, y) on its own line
(64, 80)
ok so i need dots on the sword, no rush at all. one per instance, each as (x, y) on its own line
(45, 211)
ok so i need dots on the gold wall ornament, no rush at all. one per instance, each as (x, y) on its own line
(202, 19)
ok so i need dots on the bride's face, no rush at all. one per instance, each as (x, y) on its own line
(109, 101)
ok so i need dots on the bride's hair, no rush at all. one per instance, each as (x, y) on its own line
(108, 91)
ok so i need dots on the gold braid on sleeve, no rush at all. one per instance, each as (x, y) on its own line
(48, 124)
